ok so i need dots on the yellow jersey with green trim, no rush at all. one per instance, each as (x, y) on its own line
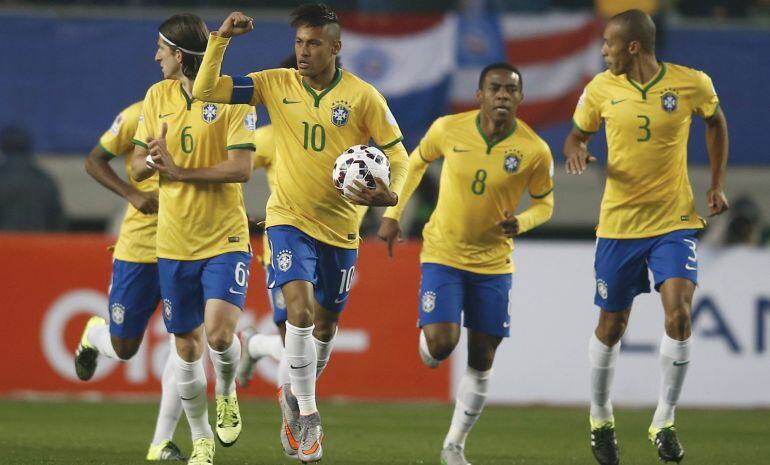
(312, 128)
(136, 241)
(648, 191)
(480, 179)
(197, 220)
(264, 157)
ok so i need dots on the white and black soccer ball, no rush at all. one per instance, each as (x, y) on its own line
(360, 163)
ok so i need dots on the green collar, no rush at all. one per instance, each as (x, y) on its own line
(652, 82)
(490, 143)
(317, 97)
(186, 97)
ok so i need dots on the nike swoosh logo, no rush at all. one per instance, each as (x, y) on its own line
(233, 291)
(615, 102)
(507, 324)
(472, 414)
(339, 301)
(191, 398)
(163, 116)
(459, 150)
(691, 268)
(677, 363)
(289, 102)
(303, 366)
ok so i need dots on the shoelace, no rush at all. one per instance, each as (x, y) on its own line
(199, 453)
(603, 436)
(225, 408)
(667, 437)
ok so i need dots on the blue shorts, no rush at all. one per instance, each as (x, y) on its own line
(621, 266)
(277, 302)
(186, 285)
(483, 300)
(134, 296)
(297, 256)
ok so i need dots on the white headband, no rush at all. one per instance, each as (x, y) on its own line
(177, 46)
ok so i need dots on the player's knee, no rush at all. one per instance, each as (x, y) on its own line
(125, 349)
(324, 332)
(609, 334)
(441, 345)
(678, 324)
(220, 340)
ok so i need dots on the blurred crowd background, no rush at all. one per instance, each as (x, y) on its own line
(70, 66)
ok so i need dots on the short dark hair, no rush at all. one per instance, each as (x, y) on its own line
(187, 31)
(637, 25)
(15, 140)
(291, 62)
(500, 65)
(313, 15)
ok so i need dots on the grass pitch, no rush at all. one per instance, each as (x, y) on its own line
(115, 433)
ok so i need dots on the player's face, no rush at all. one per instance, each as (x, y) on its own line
(615, 50)
(169, 60)
(500, 95)
(316, 49)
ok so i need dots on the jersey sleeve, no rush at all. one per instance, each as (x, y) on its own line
(241, 127)
(541, 182)
(147, 125)
(705, 100)
(430, 145)
(381, 122)
(587, 117)
(117, 140)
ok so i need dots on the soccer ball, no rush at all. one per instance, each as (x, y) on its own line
(360, 163)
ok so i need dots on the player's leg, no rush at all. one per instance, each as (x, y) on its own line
(225, 280)
(183, 307)
(621, 275)
(674, 264)
(486, 305)
(440, 312)
(162, 446)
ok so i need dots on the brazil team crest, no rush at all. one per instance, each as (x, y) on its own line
(428, 301)
(284, 260)
(167, 309)
(601, 288)
(669, 100)
(117, 313)
(511, 164)
(209, 112)
(250, 122)
(340, 113)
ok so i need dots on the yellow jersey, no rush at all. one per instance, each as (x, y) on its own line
(197, 220)
(312, 128)
(136, 241)
(264, 157)
(648, 191)
(480, 179)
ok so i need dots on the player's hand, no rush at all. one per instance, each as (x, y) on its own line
(381, 196)
(162, 158)
(145, 202)
(717, 201)
(577, 161)
(236, 24)
(390, 231)
(509, 224)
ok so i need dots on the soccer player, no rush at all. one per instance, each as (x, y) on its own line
(317, 112)
(202, 152)
(490, 158)
(134, 288)
(648, 217)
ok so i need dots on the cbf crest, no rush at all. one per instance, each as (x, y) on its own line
(340, 113)
(512, 161)
(428, 301)
(669, 100)
(284, 260)
(209, 112)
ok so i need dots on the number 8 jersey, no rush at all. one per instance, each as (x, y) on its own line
(648, 191)
(197, 220)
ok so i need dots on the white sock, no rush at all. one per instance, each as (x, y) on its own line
(602, 360)
(674, 360)
(226, 367)
(471, 396)
(283, 372)
(302, 359)
(265, 345)
(99, 336)
(191, 383)
(170, 404)
(425, 354)
(323, 353)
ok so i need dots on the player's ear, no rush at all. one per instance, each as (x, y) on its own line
(179, 56)
(336, 47)
(634, 47)
(479, 96)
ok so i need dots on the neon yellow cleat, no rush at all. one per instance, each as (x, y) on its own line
(228, 419)
(165, 451)
(86, 354)
(203, 452)
(666, 440)
(604, 444)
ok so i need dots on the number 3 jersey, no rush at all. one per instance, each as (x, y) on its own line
(197, 220)
(648, 191)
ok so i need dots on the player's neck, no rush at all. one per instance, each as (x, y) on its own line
(644, 68)
(187, 85)
(322, 80)
(496, 129)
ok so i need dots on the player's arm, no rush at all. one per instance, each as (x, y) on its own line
(390, 228)
(141, 168)
(576, 151)
(717, 145)
(541, 207)
(98, 167)
(209, 85)
(383, 195)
